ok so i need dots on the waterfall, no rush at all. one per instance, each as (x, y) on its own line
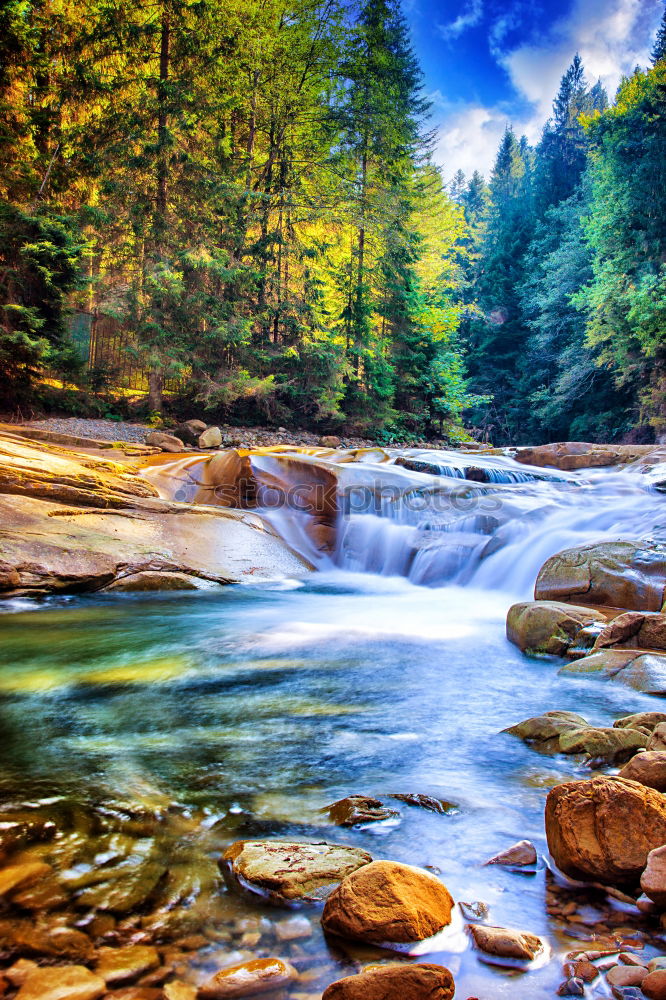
(433, 517)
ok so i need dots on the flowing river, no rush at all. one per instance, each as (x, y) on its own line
(243, 712)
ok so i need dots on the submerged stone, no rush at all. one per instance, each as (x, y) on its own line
(72, 982)
(263, 975)
(122, 965)
(289, 870)
(359, 809)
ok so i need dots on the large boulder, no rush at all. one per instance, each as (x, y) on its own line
(648, 769)
(286, 870)
(607, 745)
(190, 430)
(74, 523)
(635, 630)
(548, 626)
(653, 879)
(210, 438)
(409, 982)
(387, 902)
(571, 455)
(622, 574)
(165, 442)
(635, 668)
(604, 829)
(547, 727)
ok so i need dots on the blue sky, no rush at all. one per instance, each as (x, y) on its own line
(489, 62)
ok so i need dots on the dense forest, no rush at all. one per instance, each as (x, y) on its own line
(248, 188)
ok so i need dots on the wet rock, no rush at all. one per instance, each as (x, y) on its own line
(549, 726)
(522, 854)
(47, 894)
(571, 988)
(263, 975)
(427, 802)
(635, 629)
(657, 741)
(156, 580)
(654, 985)
(71, 982)
(289, 870)
(639, 670)
(571, 455)
(409, 982)
(359, 809)
(653, 879)
(474, 911)
(603, 829)
(647, 768)
(581, 969)
(548, 626)
(293, 929)
(640, 720)
(165, 442)
(123, 965)
(19, 829)
(415, 465)
(19, 971)
(228, 480)
(388, 902)
(626, 975)
(603, 744)
(129, 886)
(25, 937)
(17, 877)
(626, 574)
(190, 430)
(178, 990)
(210, 438)
(330, 441)
(503, 942)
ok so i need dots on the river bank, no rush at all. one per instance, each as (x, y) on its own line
(145, 733)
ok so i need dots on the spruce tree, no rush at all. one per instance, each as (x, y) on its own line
(659, 48)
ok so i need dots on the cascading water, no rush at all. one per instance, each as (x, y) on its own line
(436, 517)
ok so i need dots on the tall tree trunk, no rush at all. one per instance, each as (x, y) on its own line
(360, 291)
(162, 122)
(155, 378)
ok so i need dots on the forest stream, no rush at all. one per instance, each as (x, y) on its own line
(144, 733)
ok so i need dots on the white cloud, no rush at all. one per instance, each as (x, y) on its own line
(469, 18)
(612, 36)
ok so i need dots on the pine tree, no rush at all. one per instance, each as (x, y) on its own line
(457, 187)
(659, 48)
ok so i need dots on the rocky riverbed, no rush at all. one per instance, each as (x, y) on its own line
(330, 784)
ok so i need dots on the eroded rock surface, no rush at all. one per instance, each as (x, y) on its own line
(71, 523)
(647, 768)
(388, 902)
(635, 668)
(604, 829)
